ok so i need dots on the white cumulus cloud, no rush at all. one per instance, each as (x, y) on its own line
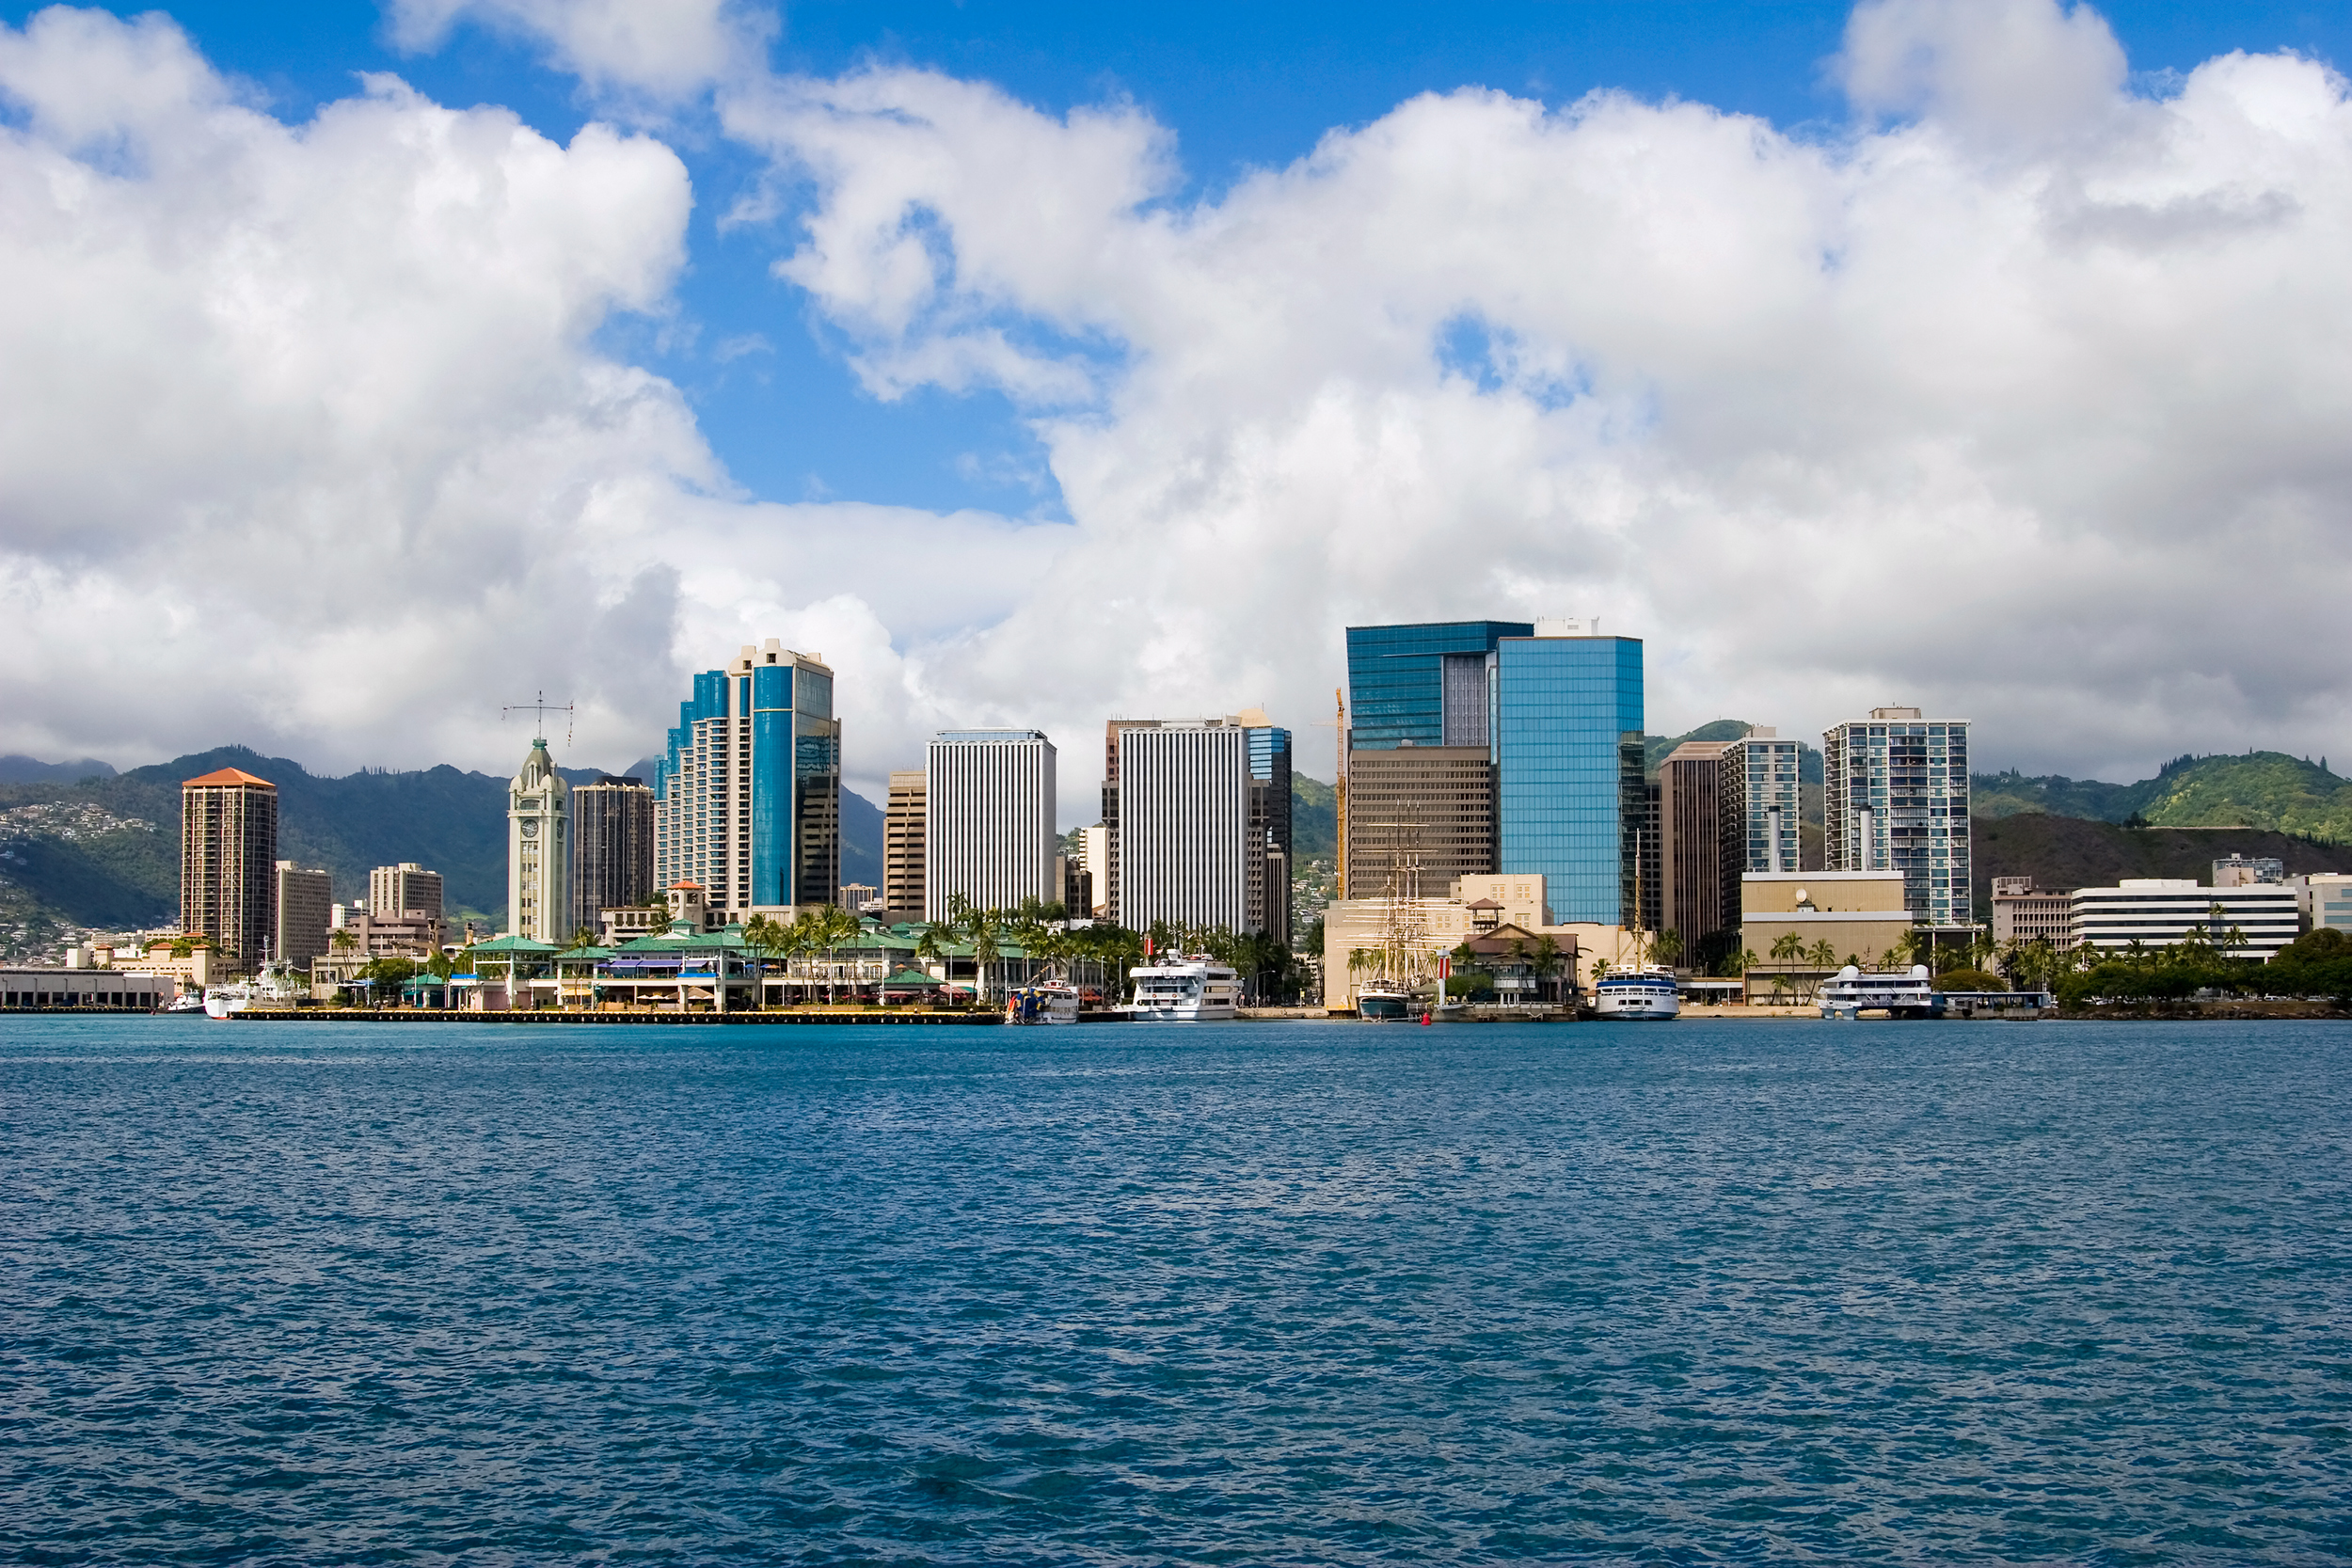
(2021, 400)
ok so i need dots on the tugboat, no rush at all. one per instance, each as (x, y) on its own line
(1185, 989)
(1644, 993)
(1853, 993)
(1046, 1002)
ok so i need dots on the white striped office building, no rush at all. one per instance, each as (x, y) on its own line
(1184, 825)
(987, 820)
(2160, 912)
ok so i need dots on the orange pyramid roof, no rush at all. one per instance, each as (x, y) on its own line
(228, 776)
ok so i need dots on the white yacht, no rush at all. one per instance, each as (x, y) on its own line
(1046, 1002)
(1853, 993)
(1647, 992)
(1185, 989)
(1383, 1000)
(274, 989)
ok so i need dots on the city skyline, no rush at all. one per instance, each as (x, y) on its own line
(1919, 258)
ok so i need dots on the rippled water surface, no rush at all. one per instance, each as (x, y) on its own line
(1245, 1293)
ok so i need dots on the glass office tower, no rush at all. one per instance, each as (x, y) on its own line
(747, 794)
(1421, 685)
(1567, 748)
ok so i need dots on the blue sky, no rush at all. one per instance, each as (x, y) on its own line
(1241, 86)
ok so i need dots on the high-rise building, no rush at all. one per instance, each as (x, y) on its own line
(903, 842)
(1570, 795)
(1424, 684)
(1270, 856)
(1178, 811)
(988, 830)
(1650, 902)
(1701, 890)
(305, 899)
(1894, 798)
(395, 889)
(748, 796)
(538, 851)
(1427, 687)
(1763, 807)
(1419, 819)
(1096, 858)
(228, 863)
(611, 847)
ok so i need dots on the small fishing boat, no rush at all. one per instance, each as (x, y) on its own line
(1045, 1002)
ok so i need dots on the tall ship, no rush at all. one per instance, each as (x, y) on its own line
(1185, 989)
(1644, 993)
(1852, 993)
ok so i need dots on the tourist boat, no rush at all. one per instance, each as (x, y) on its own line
(1185, 989)
(192, 1002)
(1853, 993)
(1046, 1002)
(1644, 993)
(1384, 1001)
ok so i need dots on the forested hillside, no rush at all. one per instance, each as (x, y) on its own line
(2260, 790)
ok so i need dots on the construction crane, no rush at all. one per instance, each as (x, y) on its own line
(1339, 794)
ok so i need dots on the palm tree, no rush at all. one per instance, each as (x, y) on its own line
(985, 949)
(1666, 947)
(1788, 948)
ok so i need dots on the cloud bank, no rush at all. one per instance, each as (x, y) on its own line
(2022, 397)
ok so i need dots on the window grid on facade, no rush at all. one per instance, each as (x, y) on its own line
(988, 834)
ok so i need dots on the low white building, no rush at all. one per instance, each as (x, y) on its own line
(2326, 900)
(2157, 911)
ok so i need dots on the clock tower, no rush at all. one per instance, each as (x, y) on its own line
(539, 849)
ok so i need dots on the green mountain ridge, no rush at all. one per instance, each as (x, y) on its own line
(2269, 791)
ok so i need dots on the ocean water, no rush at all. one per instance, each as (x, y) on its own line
(1701, 1293)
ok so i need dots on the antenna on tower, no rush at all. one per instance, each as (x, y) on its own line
(539, 710)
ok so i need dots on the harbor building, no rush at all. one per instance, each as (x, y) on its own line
(228, 863)
(2022, 913)
(396, 890)
(1861, 915)
(902, 843)
(1700, 900)
(1401, 939)
(305, 901)
(1181, 820)
(1894, 798)
(538, 850)
(988, 830)
(1419, 819)
(611, 847)
(747, 795)
(1570, 795)
(2158, 912)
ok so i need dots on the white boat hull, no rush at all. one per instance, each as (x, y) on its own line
(1645, 997)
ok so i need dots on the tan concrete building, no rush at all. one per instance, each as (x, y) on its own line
(2023, 914)
(1419, 817)
(228, 863)
(304, 899)
(902, 885)
(1861, 915)
(399, 889)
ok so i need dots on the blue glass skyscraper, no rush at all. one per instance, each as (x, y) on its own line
(748, 791)
(1421, 685)
(1567, 748)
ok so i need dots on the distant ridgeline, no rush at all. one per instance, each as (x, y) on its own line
(2269, 790)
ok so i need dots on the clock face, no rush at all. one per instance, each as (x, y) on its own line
(531, 829)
